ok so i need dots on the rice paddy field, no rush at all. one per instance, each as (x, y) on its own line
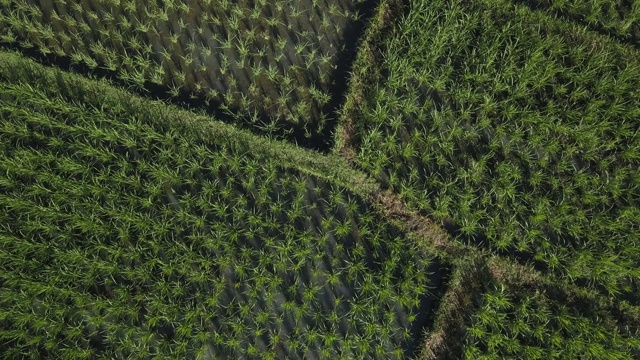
(391, 179)
(520, 136)
(268, 65)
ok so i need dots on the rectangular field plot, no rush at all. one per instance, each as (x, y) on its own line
(267, 63)
(517, 130)
(121, 238)
(519, 323)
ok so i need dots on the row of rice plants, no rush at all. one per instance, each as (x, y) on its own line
(257, 58)
(517, 128)
(620, 18)
(122, 238)
(519, 323)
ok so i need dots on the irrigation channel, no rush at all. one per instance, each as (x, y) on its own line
(237, 81)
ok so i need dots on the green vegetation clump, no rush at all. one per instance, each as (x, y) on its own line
(256, 59)
(518, 130)
(520, 323)
(124, 236)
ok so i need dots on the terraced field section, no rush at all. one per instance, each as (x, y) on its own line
(132, 229)
(277, 66)
(516, 129)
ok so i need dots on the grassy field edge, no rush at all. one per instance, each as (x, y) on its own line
(466, 286)
(364, 73)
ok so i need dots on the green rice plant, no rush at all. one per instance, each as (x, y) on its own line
(124, 23)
